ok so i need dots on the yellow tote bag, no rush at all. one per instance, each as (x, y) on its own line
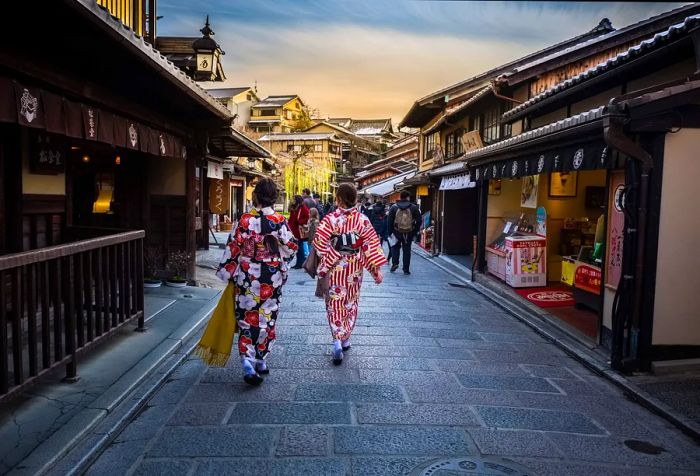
(214, 347)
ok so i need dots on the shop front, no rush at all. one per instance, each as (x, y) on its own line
(458, 213)
(552, 230)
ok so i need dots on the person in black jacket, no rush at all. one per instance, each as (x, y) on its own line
(378, 218)
(404, 222)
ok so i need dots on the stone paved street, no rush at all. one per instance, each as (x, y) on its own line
(435, 372)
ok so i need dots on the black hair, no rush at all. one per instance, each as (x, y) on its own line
(347, 194)
(265, 193)
(405, 195)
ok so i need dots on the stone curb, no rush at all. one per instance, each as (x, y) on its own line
(78, 428)
(576, 349)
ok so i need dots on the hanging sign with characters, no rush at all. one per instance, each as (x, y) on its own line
(615, 229)
(219, 196)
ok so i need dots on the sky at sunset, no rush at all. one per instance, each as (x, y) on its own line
(373, 58)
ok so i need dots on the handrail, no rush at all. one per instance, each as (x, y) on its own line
(52, 252)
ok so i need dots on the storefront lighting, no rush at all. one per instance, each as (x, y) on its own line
(86, 158)
(74, 147)
(118, 160)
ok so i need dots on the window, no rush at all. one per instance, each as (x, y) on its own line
(293, 148)
(267, 112)
(318, 148)
(491, 125)
(454, 143)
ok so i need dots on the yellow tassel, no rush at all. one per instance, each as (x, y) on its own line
(211, 358)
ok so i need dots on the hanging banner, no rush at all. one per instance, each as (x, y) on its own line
(456, 182)
(529, 191)
(616, 225)
(219, 196)
(588, 156)
(215, 170)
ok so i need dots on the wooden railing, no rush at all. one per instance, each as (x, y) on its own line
(57, 301)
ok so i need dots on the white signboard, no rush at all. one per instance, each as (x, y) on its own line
(215, 170)
(457, 182)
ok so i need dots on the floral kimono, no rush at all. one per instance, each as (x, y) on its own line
(344, 269)
(259, 276)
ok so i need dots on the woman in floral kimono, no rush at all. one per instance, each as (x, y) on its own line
(347, 245)
(256, 258)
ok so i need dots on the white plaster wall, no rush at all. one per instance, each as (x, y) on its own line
(676, 307)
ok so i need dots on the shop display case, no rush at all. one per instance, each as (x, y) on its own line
(526, 261)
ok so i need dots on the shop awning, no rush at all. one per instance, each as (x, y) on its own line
(450, 168)
(585, 156)
(457, 182)
(386, 187)
(39, 109)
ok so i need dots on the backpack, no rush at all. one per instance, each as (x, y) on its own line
(403, 223)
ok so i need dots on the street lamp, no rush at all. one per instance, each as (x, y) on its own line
(208, 53)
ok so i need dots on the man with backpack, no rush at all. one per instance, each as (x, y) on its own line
(404, 223)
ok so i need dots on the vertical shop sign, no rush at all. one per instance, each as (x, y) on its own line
(615, 229)
(219, 196)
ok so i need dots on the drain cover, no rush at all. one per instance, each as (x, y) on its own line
(644, 447)
(470, 465)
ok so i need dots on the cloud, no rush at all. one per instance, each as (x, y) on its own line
(374, 58)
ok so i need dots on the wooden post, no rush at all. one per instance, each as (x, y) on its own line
(190, 232)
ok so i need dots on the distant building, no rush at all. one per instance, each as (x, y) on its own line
(279, 114)
(239, 101)
(401, 160)
(379, 130)
(357, 152)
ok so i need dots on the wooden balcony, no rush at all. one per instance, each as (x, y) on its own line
(55, 302)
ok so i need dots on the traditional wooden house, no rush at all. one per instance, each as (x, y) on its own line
(400, 158)
(468, 116)
(357, 151)
(279, 114)
(103, 147)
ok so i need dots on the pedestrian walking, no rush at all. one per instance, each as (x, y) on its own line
(347, 245)
(314, 220)
(298, 220)
(319, 206)
(404, 222)
(379, 220)
(256, 259)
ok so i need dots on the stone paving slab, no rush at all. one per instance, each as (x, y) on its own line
(453, 375)
(218, 441)
(290, 413)
(348, 393)
(385, 440)
(533, 419)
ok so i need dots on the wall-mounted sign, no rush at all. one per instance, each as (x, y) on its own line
(215, 170)
(457, 182)
(47, 155)
(472, 140)
(616, 228)
(219, 196)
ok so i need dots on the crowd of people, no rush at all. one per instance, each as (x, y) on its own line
(344, 239)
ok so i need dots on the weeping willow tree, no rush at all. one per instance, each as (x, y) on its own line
(301, 170)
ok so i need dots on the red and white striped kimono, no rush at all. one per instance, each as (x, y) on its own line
(345, 270)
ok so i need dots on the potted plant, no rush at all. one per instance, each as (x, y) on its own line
(151, 259)
(177, 263)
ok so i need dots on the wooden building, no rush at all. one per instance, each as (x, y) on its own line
(103, 148)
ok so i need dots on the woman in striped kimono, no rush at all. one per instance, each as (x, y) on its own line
(347, 245)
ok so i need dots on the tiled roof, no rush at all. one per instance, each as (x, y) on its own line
(451, 111)
(272, 101)
(569, 122)
(175, 45)
(300, 136)
(227, 92)
(636, 51)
